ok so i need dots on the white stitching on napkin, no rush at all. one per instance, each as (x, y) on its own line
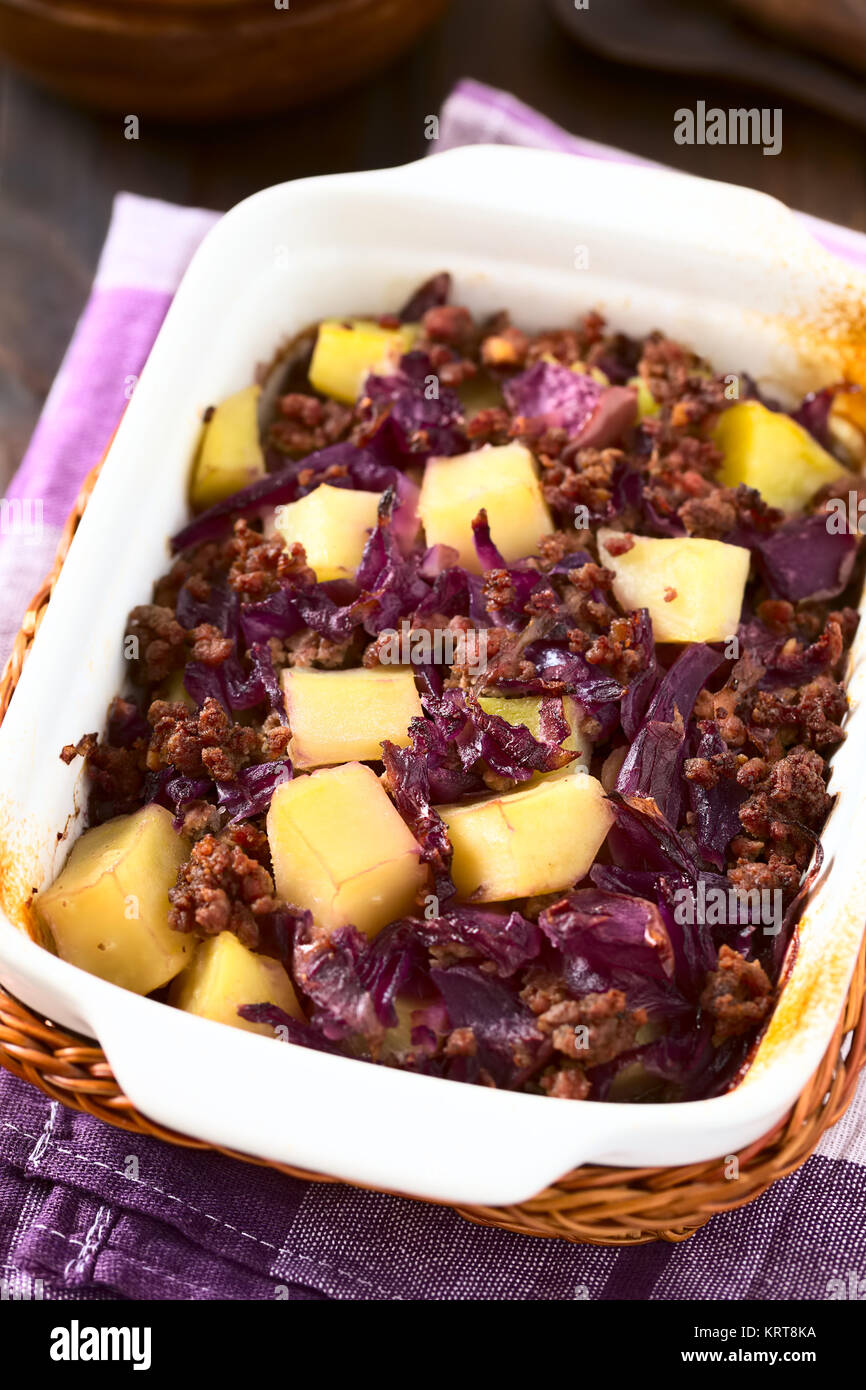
(176, 1279)
(45, 1137)
(78, 1267)
(324, 1265)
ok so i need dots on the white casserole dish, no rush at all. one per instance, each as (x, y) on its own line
(722, 268)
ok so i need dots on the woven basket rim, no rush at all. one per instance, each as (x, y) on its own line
(593, 1204)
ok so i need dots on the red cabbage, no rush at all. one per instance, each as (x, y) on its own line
(615, 413)
(716, 809)
(653, 764)
(804, 560)
(504, 1030)
(508, 941)
(433, 293)
(813, 413)
(641, 687)
(388, 576)
(416, 422)
(409, 780)
(301, 1034)
(594, 416)
(612, 931)
(561, 672)
(562, 398)
(251, 792)
(508, 749)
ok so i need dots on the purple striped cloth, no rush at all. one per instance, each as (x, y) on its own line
(90, 1212)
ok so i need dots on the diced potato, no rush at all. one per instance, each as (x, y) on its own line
(503, 479)
(693, 588)
(343, 716)
(223, 975)
(174, 690)
(538, 840)
(399, 1038)
(771, 452)
(347, 349)
(646, 402)
(341, 849)
(333, 525)
(526, 709)
(230, 455)
(107, 910)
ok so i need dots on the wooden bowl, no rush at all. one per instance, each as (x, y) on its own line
(200, 59)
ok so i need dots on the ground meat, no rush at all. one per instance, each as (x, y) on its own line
(618, 649)
(792, 788)
(568, 1083)
(677, 378)
(617, 545)
(507, 348)
(305, 424)
(276, 736)
(717, 513)
(555, 547)
(776, 875)
(505, 659)
(199, 743)
(225, 886)
(259, 566)
(116, 776)
(562, 343)
(583, 478)
(210, 646)
(159, 642)
(811, 715)
(489, 426)
(448, 323)
(200, 818)
(308, 648)
(197, 567)
(737, 994)
(610, 1027)
(461, 1043)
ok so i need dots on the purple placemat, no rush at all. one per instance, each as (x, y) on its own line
(90, 1212)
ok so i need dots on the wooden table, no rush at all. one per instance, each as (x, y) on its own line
(59, 167)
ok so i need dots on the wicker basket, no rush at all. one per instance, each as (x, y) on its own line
(595, 1205)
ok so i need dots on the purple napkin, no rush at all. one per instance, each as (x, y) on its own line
(91, 1212)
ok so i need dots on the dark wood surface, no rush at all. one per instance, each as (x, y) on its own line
(60, 167)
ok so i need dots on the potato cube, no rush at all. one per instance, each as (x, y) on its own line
(333, 525)
(771, 452)
(230, 455)
(526, 710)
(537, 840)
(503, 479)
(107, 910)
(223, 975)
(341, 849)
(347, 349)
(343, 716)
(693, 588)
(398, 1039)
(647, 405)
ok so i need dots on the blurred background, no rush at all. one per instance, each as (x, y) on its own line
(230, 96)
